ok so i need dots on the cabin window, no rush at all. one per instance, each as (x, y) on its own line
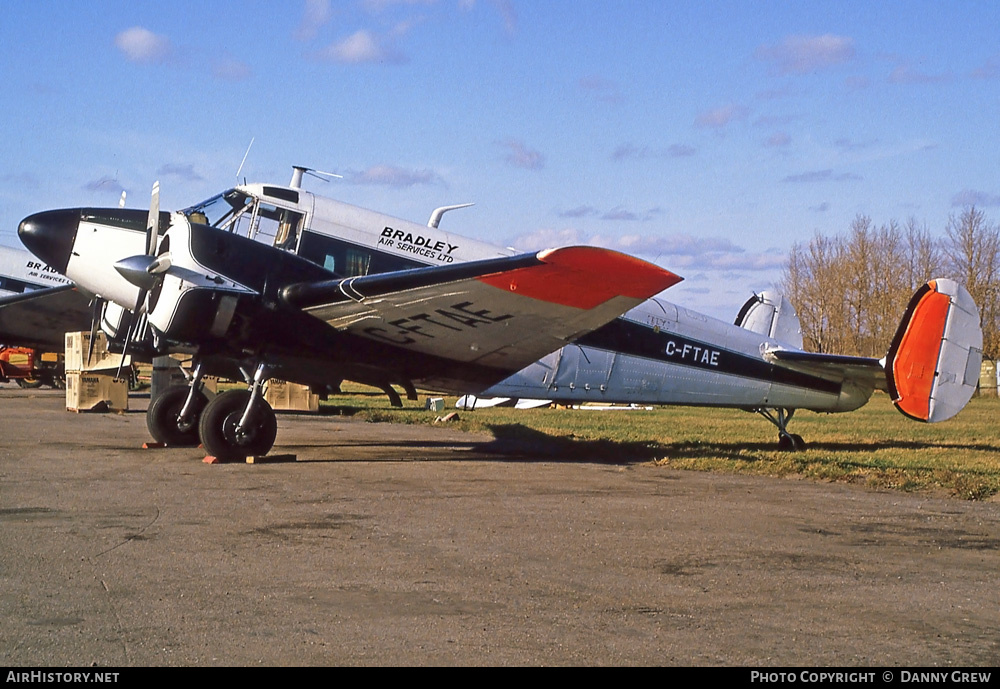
(348, 259)
(358, 262)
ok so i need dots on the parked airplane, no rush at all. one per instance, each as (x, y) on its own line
(274, 281)
(21, 272)
(26, 320)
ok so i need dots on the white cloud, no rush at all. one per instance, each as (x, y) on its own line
(683, 251)
(361, 47)
(106, 185)
(804, 54)
(628, 151)
(316, 14)
(718, 118)
(142, 45)
(578, 212)
(508, 15)
(778, 140)
(380, 5)
(184, 172)
(972, 197)
(602, 89)
(231, 69)
(521, 156)
(988, 70)
(393, 176)
(822, 176)
(906, 74)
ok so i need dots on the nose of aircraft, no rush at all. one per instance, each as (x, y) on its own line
(49, 235)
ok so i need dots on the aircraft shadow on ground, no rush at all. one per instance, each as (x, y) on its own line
(519, 443)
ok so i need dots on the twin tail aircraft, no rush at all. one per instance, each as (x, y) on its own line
(266, 281)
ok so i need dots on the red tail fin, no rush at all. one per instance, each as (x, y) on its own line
(932, 367)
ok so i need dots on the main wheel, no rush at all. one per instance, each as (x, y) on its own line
(29, 383)
(161, 417)
(217, 427)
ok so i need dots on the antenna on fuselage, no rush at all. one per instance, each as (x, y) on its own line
(298, 171)
(437, 213)
(242, 162)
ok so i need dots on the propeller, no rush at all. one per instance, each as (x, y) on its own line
(95, 324)
(143, 270)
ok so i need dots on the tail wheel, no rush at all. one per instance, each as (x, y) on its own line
(219, 422)
(791, 442)
(162, 417)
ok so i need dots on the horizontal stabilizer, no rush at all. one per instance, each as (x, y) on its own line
(470, 402)
(932, 367)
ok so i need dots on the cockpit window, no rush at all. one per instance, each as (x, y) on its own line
(220, 211)
(247, 216)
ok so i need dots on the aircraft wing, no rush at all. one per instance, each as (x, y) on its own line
(42, 318)
(501, 313)
(833, 367)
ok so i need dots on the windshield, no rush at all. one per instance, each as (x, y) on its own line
(220, 211)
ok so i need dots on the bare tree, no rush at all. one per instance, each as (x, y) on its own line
(972, 256)
(850, 291)
(813, 282)
(924, 259)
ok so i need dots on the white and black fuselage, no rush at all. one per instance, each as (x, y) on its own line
(223, 297)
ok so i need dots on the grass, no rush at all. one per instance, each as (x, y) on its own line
(875, 446)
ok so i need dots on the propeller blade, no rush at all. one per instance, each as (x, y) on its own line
(133, 327)
(161, 264)
(95, 323)
(153, 223)
(138, 271)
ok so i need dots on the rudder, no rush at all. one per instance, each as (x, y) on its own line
(932, 367)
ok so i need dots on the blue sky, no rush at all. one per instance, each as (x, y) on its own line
(705, 136)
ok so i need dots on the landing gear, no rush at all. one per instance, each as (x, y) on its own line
(791, 442)
(234, 425)
(787, 442)
(166, 420)
(172, 417)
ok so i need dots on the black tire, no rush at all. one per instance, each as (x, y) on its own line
(791, 443)
(161, 417)
(217, 427)
(29, 383)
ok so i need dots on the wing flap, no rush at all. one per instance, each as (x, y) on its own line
(502, 313)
